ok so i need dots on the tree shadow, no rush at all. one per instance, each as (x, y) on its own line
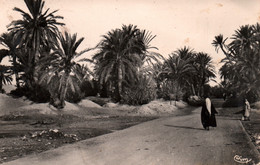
(185, 127)
(229, 118)
(239, 112)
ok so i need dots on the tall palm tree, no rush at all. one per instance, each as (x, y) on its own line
(205, 70)
(149, 57)
(122, 52)
(37, 29)
(62, 66)
(242, 40)
(178, 72)
(220, 43)
(187, 54)
(178, 69)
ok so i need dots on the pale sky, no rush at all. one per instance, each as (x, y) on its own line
(176, 23)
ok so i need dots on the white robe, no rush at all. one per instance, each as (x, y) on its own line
(208, 105)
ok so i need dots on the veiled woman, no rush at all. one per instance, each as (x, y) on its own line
(247, 110)
(208, 114)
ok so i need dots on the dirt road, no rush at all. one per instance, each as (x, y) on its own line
(165, 141)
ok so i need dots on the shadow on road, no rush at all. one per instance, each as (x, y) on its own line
(183, 127)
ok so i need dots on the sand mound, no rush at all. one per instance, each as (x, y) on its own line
(43, 108)
(110, 105)
(88, 103)
(9, 104)
(155, 107)
(46, 108)
(181, 104)
(70, 107)
(161, 106)
(145, 110)
(257, 105)
(125, 107)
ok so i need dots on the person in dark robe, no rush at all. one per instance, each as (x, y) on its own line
(208, 114)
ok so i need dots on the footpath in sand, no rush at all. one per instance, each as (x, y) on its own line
(166, 141)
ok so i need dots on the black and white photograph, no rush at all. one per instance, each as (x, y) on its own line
(129, 82)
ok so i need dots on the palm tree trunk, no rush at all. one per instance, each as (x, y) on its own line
(16, 71)
(193, 90)
(176, 94)
(199, 88)
(63, 90)
(36, 68)
(36, 54)
(227, 55)
(120, 79)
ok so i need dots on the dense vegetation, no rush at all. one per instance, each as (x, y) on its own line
(127, 68)
(241, 66)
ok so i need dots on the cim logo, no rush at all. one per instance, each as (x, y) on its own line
(240, 159)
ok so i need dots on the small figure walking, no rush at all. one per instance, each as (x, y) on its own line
(208, 112)
(247, 110)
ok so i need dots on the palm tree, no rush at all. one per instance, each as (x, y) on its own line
(242, 39)
(220, 42)
(205, 70)
(122, 53)
(11, 43)
(37, 29)
(26, 67)
(178, 72)
(187, 54)
(149, 57)
(61, 66)
(241, 71)
(178, 69)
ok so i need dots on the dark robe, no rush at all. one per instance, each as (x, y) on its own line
(207, 119)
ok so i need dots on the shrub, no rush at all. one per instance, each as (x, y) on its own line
(233, 102)
(89, 88)
(74, 97)
(217, 91)
(141, 93)
(37, 94)
(170, 90)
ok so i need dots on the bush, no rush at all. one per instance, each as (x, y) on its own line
(74, 97)
(170, 90)
(233, 102)
(36, 94)
(89, 88)
(217, 91)
(141, 93)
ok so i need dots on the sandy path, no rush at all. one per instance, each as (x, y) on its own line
(174, 140)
